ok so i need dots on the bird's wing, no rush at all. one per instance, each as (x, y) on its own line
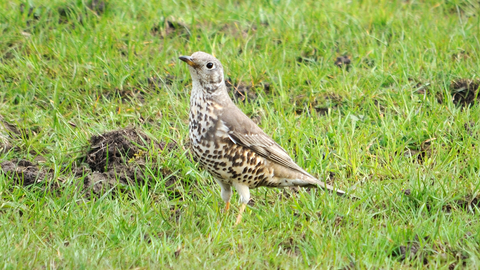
(243, 131)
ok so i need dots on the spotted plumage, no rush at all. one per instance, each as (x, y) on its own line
(230, 145)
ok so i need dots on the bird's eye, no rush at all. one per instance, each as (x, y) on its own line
(210, 65)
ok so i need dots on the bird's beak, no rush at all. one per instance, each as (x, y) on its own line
(188, 60)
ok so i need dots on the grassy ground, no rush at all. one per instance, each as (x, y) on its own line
(382, 119)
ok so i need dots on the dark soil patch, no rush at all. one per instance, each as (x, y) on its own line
(321, 103)
(470, 128)
(119, 158)
(241, 92)
(24, 172)
(235, 30)
(286, 193)
(461, 55)
(367, 63)
(170, 28)
(97, 6)
(8, 132)
(159, 83)
(257, 119)
(338, 221)
(31, 13)
(67, 13)
(267, 87)
(126, 94)
(464, 8)
(343, 61)
(309, 55)
(468, 202)
(419, 87)
(115, 148)
(5, 56)
(290, 246)
(420, 153)
(464, 91)
(411, 250)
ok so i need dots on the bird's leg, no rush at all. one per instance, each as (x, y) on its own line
(226, 193)
(239, 217)
(244, 193)
(227, 206)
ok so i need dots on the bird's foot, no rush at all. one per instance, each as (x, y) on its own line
(239, 217)
(227, 207)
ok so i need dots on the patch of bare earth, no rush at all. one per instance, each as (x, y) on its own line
(24, 172)
(242, 92)
(21, 172)
(343, 61)
(321, 103)
(8, 132)
(171, 27)
(464, 91)
(120, 157)
(420, 249)
(114, 159)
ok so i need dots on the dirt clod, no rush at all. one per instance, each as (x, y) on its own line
(115, 148)
(321, 103)
(460, 55)
(343, 61)
(97, 6)
(235, 30)
(157, 82)
(470, 128)
(99, 182)
(119, 157)
(411, 250)
(309, 55)
(419, 87)
(291, 247)
(468, 202)
(240, 91)
(420, 153)
(23, 172)
(126, 94)
(177, 252)
(169, 28)
(338, 221)
(464, 91)
(7, 133)
(267, 87)
(368, 63)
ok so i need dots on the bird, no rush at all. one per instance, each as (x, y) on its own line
(229, 145)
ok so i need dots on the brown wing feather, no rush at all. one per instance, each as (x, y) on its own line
(243, 131)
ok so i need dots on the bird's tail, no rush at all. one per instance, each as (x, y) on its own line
(321, 184)
(330, 188)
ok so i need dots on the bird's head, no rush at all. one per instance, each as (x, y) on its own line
(206, 72)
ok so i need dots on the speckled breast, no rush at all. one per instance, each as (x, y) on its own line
(220, 156)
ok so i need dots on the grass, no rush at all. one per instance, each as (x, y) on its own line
(70, 70)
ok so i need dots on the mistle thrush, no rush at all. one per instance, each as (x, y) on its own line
(230, 145)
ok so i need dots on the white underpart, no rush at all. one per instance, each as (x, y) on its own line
(243, 191)
(226, 190)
